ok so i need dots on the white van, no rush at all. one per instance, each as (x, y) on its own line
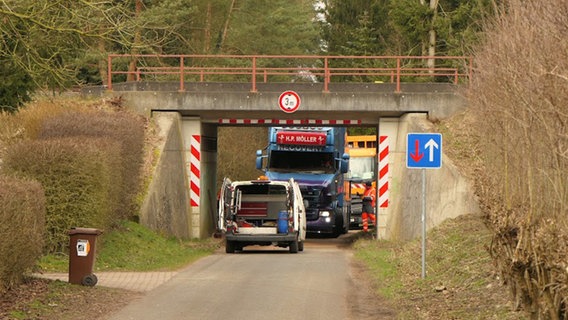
(262, 212)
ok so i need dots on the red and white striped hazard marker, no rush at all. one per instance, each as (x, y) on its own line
(195, 169)
(383, 172)
(290, 121)
(358, 185)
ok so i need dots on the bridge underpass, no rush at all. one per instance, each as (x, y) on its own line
(182, 196)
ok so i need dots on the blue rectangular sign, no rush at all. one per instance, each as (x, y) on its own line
(424, 150)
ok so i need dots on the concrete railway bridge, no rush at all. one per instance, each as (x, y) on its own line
(190, 96)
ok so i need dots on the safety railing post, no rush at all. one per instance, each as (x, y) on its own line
(456, 76)
(109, 72)
(181, 75)
(470, 75)
(326, 75)
(397, 75)
(253, 89)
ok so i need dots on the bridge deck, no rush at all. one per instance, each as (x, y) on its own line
(366, 102)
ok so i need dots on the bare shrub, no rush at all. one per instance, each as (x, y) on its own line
(124, 128)
(26, 123)
(520, 96)
(22, 226)
(237, 152)
(81, 179)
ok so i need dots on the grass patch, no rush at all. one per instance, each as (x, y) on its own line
(378, 257)
(133, 247)
(460, 279)
(56, 262)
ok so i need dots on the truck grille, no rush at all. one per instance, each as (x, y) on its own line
(312, 195)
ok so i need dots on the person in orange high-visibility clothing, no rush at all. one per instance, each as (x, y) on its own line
(369, 197)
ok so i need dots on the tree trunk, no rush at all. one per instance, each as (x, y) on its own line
(132, 65)
(207, 32)
(103, 63)
(432, 37)
(226, 27)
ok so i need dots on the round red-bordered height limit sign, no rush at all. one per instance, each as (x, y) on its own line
(289, 101)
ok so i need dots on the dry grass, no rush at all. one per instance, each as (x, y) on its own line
(519, 99)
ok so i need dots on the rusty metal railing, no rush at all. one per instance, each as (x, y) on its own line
(283, 68)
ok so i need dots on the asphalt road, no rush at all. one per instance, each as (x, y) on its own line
(259, 283)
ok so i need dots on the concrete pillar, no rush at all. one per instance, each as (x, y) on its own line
(388, 127)
(191, 133)
(165, 207)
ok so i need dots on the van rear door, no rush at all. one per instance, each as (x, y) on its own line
(224, 203)
(299, 210)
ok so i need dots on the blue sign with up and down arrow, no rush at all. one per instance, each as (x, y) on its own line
(424, 150)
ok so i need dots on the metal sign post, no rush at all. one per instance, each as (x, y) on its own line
(424, 151)
(423, 223)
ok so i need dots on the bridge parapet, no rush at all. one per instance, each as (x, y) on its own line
(214, 101)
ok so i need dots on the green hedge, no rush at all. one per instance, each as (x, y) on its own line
(22, 226)
(124, 128)
(81, 179)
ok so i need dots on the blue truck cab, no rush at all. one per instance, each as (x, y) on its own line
(315, 158)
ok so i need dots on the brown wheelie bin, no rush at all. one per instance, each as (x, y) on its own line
(82, 247)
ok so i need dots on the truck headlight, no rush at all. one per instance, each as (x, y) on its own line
(324, 213)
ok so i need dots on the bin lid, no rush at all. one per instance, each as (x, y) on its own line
(85, 231)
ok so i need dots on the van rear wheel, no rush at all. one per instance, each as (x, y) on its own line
(294, 246)
(301, 246)
(230, 246)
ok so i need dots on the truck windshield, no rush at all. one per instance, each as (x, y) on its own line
(302, 161)
(361, 167)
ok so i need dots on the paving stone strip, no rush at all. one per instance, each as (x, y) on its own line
(134, 281)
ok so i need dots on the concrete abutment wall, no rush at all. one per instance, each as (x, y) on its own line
(166, 206)
(448, 193)
(187, 155)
